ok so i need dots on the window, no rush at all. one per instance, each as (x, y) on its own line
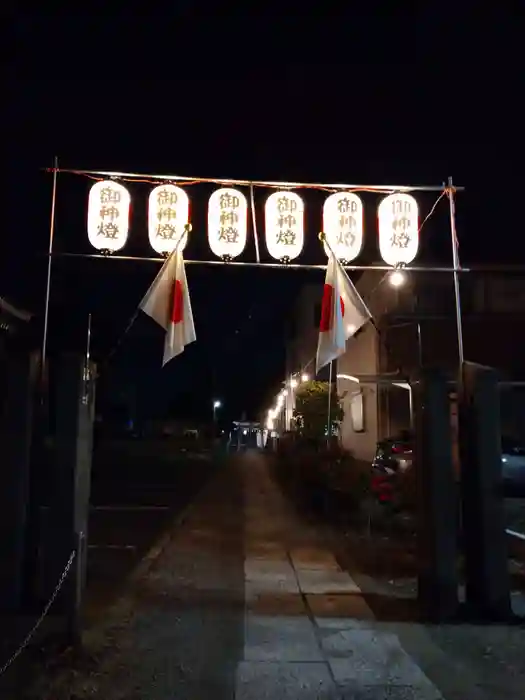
(357, 413)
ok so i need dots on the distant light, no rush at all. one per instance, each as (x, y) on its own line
(397, 278)
(217, 404)
(245, 432)
(293, 383)
(305, 377)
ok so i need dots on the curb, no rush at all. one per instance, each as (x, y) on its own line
(124, 600)
(147, 561)
(163, 541)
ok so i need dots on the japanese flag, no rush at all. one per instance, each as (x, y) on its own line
(343, 313)
(168, 303)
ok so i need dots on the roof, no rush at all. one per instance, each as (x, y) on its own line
(11, 316)
(11, 310)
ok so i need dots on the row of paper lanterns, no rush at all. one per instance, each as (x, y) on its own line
(169, 213)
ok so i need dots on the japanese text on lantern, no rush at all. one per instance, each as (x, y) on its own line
(168, 214)
(398, 221)
(108, 215)
(284, 223)
(343, 225)
(227, 222)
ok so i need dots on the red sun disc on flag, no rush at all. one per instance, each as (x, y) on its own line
(177, 305)
(327, 307)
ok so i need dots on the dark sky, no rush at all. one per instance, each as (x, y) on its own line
(385, 94)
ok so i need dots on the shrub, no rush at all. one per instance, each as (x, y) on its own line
(311, 410)
(327, 479)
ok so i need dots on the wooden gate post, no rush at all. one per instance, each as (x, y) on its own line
(484, 540)
(71, 465)
(437, 498)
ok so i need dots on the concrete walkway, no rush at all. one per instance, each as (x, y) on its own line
(247, 601)
(299, 641)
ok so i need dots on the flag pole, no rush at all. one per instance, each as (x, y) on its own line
(329, 431)
(49, 265)
(254, 224)
(457, 267)
(88, 341)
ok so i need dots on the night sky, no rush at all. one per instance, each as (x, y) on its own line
(385, 95)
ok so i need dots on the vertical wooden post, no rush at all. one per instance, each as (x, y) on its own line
(485, 548)
(437, 498)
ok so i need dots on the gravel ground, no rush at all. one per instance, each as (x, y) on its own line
(179, 632)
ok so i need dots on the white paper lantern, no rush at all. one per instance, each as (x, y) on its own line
(108, 215)
(284, 224)
(343, 225)
(168, 214)
(398, 222)
(227, 222)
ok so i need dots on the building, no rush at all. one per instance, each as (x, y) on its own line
(416, 327)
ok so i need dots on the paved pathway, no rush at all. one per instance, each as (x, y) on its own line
(247, 602)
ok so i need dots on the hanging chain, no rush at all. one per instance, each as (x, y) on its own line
(28, 638)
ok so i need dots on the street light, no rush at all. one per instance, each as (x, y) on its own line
(305, 377)
(293, 383)
(397, 278)
(216, 404)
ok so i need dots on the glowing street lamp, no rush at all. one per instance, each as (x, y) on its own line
(216, 405)
(305, 377)
(397, 278)
(293, 383)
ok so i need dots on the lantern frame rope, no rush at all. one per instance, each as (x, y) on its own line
(157, 179)
(271, 184)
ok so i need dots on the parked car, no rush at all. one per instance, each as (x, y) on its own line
(394, 457)
(513, 466)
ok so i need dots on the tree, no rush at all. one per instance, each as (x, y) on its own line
(311, 409)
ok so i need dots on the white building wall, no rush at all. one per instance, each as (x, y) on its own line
(360, 359)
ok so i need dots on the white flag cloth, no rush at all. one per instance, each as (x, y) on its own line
(168, 303)
(343, 313)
